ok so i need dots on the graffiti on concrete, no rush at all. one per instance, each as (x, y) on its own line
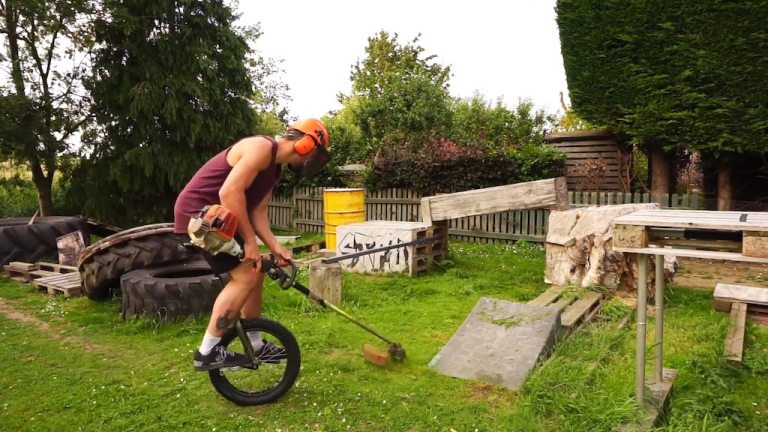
(396, 259)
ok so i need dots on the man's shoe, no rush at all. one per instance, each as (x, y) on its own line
(270, 353)
(218, 358)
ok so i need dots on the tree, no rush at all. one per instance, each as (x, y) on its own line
(496, 127)
(671, 75)
(171, 87)
(399, 96)
(46, 45)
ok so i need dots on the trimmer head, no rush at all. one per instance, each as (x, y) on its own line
(396, 352)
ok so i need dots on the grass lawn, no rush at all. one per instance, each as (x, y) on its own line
(73, 364)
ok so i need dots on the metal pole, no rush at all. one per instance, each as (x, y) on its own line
(658, 368)
(642, 304)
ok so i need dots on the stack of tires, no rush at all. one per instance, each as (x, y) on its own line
(153, 272)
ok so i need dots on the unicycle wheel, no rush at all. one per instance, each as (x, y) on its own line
(266, 379)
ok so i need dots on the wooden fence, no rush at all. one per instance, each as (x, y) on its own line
(304, 212)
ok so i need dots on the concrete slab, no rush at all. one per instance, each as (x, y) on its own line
(657, 401)
(499, 343)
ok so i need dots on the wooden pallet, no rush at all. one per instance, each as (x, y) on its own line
(20, 271)
(55, 268)
(737, 233)
(68, 284)
(577, 308)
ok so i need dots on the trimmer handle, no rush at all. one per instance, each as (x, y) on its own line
(284, 280)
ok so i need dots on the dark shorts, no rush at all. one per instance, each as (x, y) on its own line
(222, 262)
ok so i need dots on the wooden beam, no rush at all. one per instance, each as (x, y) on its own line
(549, 193)
(741, 293)
(692, 253)
(734, 341)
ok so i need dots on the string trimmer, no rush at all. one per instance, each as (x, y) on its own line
(395, 351)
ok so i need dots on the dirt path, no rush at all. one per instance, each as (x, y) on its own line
(705, 274)
(12, 313)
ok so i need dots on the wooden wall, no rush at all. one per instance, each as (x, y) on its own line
(594, 160)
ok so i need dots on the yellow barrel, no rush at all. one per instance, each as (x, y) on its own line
(341, 207)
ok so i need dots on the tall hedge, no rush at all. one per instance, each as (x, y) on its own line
(675, 73)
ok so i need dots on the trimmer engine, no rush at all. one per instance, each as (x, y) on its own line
(213, 230)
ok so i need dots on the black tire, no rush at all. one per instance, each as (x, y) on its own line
(20, 241)
(102, 264)
(260, 383)
(170, 292)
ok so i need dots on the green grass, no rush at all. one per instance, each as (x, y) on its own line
(88, 370)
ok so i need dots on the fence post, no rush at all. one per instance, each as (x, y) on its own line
(294, 210)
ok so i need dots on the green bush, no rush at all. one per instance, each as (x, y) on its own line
(18, 197)
(539, 162)
(444, 166)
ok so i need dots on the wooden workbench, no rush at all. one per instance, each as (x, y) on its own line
(729, 236)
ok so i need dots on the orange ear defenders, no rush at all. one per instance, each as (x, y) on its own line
(315, 135)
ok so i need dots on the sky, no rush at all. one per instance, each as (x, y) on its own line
(507, 49)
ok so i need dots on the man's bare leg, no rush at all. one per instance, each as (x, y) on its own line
(211, 355)
(252, 306)
(233, 297)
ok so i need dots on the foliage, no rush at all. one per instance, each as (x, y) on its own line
(445, 166)
(495, 128)
(44, 105)
(17, 197)
(171, 87)
(398, 94)
(678, 74)
(539, 162)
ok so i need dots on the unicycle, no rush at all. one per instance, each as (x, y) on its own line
(262, 379)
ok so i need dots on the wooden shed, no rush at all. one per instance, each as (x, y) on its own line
(595, 160)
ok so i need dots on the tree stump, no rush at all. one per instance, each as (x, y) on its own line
(579, 250)
(326, 281)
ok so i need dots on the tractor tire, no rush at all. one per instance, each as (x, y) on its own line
(170, 292)
(20, 241)
(103, 263)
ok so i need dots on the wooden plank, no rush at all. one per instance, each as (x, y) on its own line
(540, 193)
(561, 303)
(578, 135)
(578, 310)
(42, 273)
(741, 293)
(547, 296)
(585, 143)
(693, 253)
(58, 268)
(734, 341)
(19, 265)
(702, 219)
(717, 245)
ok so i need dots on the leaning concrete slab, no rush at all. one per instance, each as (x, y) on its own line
(499, 343)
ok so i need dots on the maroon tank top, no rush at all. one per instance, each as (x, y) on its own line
(203, 188)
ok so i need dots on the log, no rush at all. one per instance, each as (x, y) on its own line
(326, 281)
(579, 249)
(70, 245)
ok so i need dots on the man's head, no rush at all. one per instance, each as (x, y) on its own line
(311, 143)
